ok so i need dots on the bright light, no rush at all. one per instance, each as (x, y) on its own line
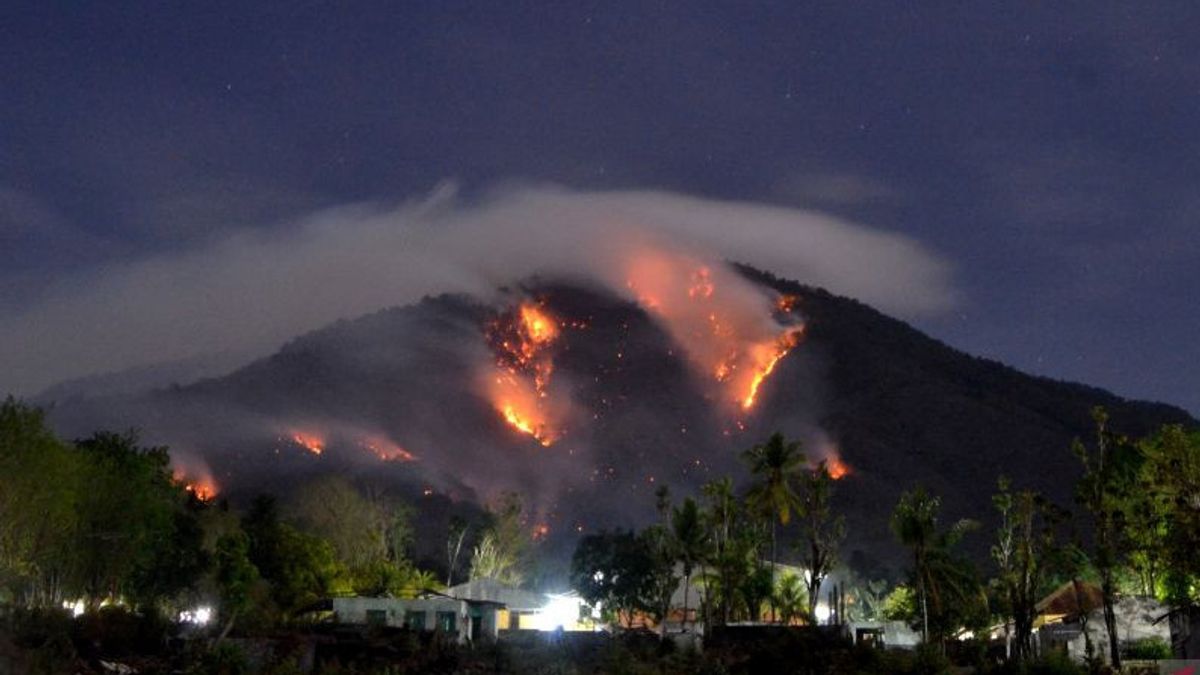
(822, 612)
(199, 616)
(75, 607)
(561, 612)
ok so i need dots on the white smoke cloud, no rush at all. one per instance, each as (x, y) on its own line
(253, 290)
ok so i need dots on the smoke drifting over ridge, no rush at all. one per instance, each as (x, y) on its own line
(252, 291)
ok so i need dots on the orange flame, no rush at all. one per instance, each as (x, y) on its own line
(837, 468)
(518, 387)
(764, 358)
(196, 480)
(725, 327)
(386, 450)
(310, 442)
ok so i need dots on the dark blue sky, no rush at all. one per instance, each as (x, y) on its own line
(1052, 154)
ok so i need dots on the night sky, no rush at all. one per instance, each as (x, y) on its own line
(1050, 154)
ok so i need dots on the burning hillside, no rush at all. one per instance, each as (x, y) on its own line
(729, 330)
(626, 391)
(518, 383)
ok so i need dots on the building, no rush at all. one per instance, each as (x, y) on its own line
(1059, 624)
(526, 610)
(466, 621)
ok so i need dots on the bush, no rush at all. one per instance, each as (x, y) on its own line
(225, 659)
(1148, 649)
(1055, 663)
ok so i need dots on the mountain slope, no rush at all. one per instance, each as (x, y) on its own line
(899, 407)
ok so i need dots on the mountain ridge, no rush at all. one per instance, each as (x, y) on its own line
(899, 407)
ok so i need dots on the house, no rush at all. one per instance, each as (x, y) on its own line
(1059, 622)
(467, 621)
(526, 610)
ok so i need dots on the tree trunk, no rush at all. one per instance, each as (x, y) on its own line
(1088, 648)
(771, 597)
(687, 585)
(1110, 624)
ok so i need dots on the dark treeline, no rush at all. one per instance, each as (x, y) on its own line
(1131, 530)
(101, 527)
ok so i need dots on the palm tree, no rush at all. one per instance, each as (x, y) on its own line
(915, 523)
(938, 572)
(790, 597)
(721, 511)
(691, 542)
(774, 464)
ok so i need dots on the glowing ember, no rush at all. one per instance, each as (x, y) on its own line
(518, 386)
(196, 480)
(386, 450)
(203, 491)
(310, 442)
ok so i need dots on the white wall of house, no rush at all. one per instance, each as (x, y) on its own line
(420, 614)
(1135, 621)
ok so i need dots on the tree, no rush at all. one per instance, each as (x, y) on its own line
(614, 572)
(1171, 481)
(41, 480)
(299, 567)
(1025, 544)
(126, 513)
(900, 605)
(1110, 469)
(662, 553)
(791, 598)
(774, 464)
(235, 576)
(947, 588)
(332, 509)
(502, 548)
(821, 531)
(691, 542)
(455, 535)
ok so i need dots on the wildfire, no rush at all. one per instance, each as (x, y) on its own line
(523, 367)
(203, 490)
(386, 450)
(837, 468)
(195, 477)
(764, 359)
(310, 442)
(786, 303)
(728, 329)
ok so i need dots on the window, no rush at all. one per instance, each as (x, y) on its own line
(446, 621)
(414, 620)
(376, 617)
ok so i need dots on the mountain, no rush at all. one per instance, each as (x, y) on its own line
(407, 397)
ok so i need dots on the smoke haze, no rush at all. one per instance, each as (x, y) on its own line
(252, 291)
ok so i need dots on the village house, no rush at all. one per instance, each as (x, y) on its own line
(465, 621)
(520, 609)
(1059, 623)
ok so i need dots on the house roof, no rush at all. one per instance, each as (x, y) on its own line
(490, 590)
(1064, 601)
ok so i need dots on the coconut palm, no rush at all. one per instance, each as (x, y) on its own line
(941, 577)
(691, 542)
(775, 464)
(791, 598)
